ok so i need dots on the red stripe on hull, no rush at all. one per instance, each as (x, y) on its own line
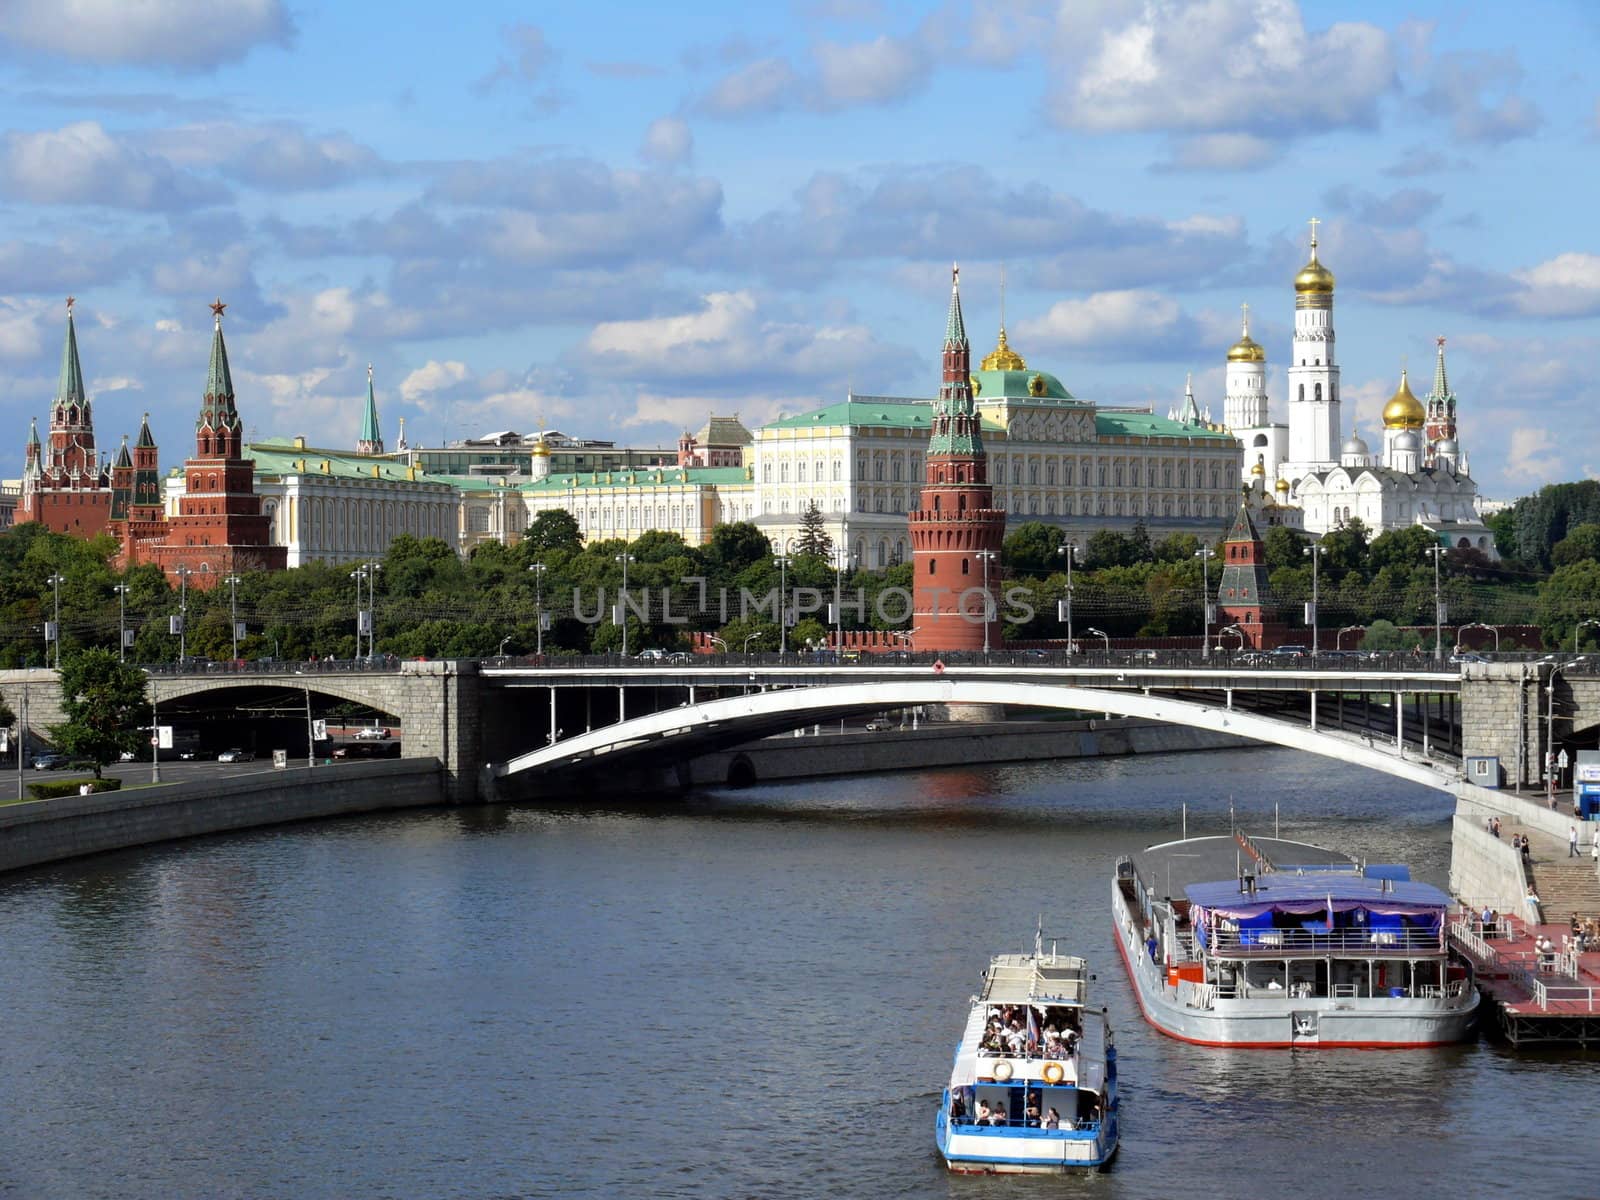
(1138, 995)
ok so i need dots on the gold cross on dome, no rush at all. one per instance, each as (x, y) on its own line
(1314, 223)
(1246, 308)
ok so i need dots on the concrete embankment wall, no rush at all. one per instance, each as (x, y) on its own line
(1479, 803)
(45, 831)
(942, 745)
(1484, 869)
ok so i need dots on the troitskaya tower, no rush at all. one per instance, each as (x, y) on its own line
(1313, 373)
(955, 530)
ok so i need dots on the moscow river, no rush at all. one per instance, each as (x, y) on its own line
(748, 994)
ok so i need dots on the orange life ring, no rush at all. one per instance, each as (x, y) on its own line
(1054, 1072)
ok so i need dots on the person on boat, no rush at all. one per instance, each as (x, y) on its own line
(958, 1109)
(983, 1112)
(1052, 1119)
(1033, 1111)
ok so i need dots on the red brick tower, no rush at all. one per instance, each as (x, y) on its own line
(219, 528)
(956, 531)
(64, 485)
(1243, 598)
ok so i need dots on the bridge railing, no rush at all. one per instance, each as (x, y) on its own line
(380, 664)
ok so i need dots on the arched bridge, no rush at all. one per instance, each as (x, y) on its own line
(693, 729)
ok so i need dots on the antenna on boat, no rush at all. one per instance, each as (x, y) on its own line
(1232, 832)
(1038, 938)
(1186, 820)
(1276, 831)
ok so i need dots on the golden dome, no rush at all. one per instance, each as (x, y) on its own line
(1003, 357)
(1314, 278)
(1282, 485)
(541, 448)
(1246, 349)
(1260, 469)
(1404, 410)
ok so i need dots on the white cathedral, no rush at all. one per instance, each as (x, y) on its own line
(1302, 473)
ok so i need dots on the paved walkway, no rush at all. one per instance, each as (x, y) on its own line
(1509, 967)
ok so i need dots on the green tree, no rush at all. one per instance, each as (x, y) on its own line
(104, 703)
(554, 529)
(1385, 635)
(736, 546)
(1284, 547)
(814, 540)
(1582, 542)
(1032, 548)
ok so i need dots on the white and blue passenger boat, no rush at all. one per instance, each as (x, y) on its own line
(1034, 1085)
(1240, 941)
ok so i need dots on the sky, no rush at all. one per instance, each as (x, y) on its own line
(616, 219)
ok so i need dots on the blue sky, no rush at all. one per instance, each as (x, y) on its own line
(619, 218)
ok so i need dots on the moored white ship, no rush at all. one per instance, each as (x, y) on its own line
(1033, 1088)
(1234, 941)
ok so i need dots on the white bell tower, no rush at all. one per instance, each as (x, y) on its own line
(1313, 376)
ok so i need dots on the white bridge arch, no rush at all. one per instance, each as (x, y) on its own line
(691, 727)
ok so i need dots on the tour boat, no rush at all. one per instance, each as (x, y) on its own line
(1259, 942)
(1034, 1084)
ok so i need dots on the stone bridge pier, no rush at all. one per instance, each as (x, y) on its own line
(1519, 711)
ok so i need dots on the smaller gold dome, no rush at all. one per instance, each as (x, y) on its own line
(1404, 410)
(541, 448)
(1246, 349)
(1260, 468)
(1282, 485)
(1003, 357)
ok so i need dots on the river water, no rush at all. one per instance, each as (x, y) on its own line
(751, 994)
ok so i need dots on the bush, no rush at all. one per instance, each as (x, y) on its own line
(69, 787)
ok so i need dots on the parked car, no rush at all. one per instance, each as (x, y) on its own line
(49, 762)
(681, 657)
(376, 734)
(195, 754)
(879, 726)
(127, 756)
(651, 656)
(236, 755)
(1290, 650)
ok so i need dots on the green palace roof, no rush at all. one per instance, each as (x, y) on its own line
(1020, 385)
(279, 458)
(891, 412)
(1141, 424)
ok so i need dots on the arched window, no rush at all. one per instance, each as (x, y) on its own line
(894, 470)
(1050, 473)
(1016, 471)
(800, 471)
(1302, 391)
(1317, 393)
(838, 469)
(877, 469)
(1033, 472)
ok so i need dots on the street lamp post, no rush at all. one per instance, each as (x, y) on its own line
(1550, 739)
(622, 603)
(1338, 638)
(121, 590)
(1071, 552)
(748, 639)
(183, 574)
(783, 605)
(55, 626)
(1204, 555)
(1101, 634)
(987, 556)
(538, 607)
(233, 611)
(1315, 550)
(1438, 605)
(1575, 633)
(1230, 629)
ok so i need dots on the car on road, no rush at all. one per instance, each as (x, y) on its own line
(127, 756)
(372, 735)
(1291, 650)
(879, 726)
(195, 754)
(651, 656)
(681, 657)
(236, 755)
(50, 762)
(1466, 656)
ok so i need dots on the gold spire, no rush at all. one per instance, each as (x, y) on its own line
(1246, 349)
(1314, 280)
(541, 448)
(1404, 410)
(1002, 357)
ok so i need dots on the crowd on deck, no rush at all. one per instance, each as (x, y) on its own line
(1018, 1031)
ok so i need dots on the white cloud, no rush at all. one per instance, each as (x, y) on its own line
(667, 141)
(188, 34)
(1126, 324)
(1215, 66)
(432, 376)
(876, 72)
(1221, 152)
(688, 412)
(21, 332)
(276, 156)
(83, 164)
(1532, 454)
(1565, 286)
(1475, 92)
(763, 86)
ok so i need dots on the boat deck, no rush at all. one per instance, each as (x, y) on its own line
(1169, 868)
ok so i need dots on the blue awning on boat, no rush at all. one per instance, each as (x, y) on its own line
(1306, 892)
